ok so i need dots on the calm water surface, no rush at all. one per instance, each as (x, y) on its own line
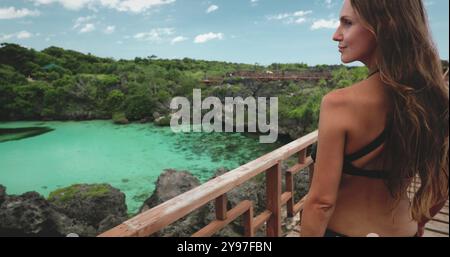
(129, 157)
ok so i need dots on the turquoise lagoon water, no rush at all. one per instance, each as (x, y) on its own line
(129, 157)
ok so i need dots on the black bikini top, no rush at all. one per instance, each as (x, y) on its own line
(349, 169)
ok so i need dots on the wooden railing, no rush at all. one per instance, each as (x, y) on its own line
(216, 190)
(265, 78)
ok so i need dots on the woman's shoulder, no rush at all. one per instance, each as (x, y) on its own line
(338, 97)
(337, 103)
(360, 93)
(335, 113)
(351, 101)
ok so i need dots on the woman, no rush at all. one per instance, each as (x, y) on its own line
(376, 135)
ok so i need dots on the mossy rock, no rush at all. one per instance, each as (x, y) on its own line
(163, 121)
(89, 203)
(120, 118)
(78, 190)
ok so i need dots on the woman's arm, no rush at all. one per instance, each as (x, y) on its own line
(322, 195)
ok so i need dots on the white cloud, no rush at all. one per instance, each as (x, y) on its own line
(110, 29)
(212, 8)
(300, 20)
(138, 6)
(81, 20)
(109, 3)
(134, 6)
(155, 35)
(18, 35)
(297, 17)
(279, 16)
(325, 24)
(13, 13)
(87, 28)
(68, 4)
(302, 13)
(254, 2)
(4, 37)
(207, 37)
(24, 35)
(178, 40)
(329, 3)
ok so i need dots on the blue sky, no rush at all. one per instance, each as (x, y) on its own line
(245, 31)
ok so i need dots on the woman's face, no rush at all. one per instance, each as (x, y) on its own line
(356, 43)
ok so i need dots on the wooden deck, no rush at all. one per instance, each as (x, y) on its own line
(281, 209)
(438, 227)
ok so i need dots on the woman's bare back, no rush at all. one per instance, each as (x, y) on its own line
(364, 205)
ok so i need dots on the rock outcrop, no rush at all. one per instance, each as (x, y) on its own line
(2, 194)
(86, 210)
(90, 204)
(170, 184)
(26, 215)
(163, 120)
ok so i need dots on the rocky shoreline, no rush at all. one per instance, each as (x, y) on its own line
(290, 127)
(84, 212)
(90, 209)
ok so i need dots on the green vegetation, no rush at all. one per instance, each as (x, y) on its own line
(59, 84)
(119, 118)
(163, 121)
(303, 105)
(67, 193)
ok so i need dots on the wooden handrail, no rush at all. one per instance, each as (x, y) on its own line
(178, 207)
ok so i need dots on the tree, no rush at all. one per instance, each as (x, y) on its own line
(29, 100)
(7, 96)
(139, 107)
(8, 75)
(18, 57)
(115, 100)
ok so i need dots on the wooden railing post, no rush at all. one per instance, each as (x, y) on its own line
(311, 174)
(248, 222)
(273, 195)
(290, 184)
(302, 156)
(290, 189)
(221, 207)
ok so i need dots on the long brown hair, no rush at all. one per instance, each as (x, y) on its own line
(409, 65)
